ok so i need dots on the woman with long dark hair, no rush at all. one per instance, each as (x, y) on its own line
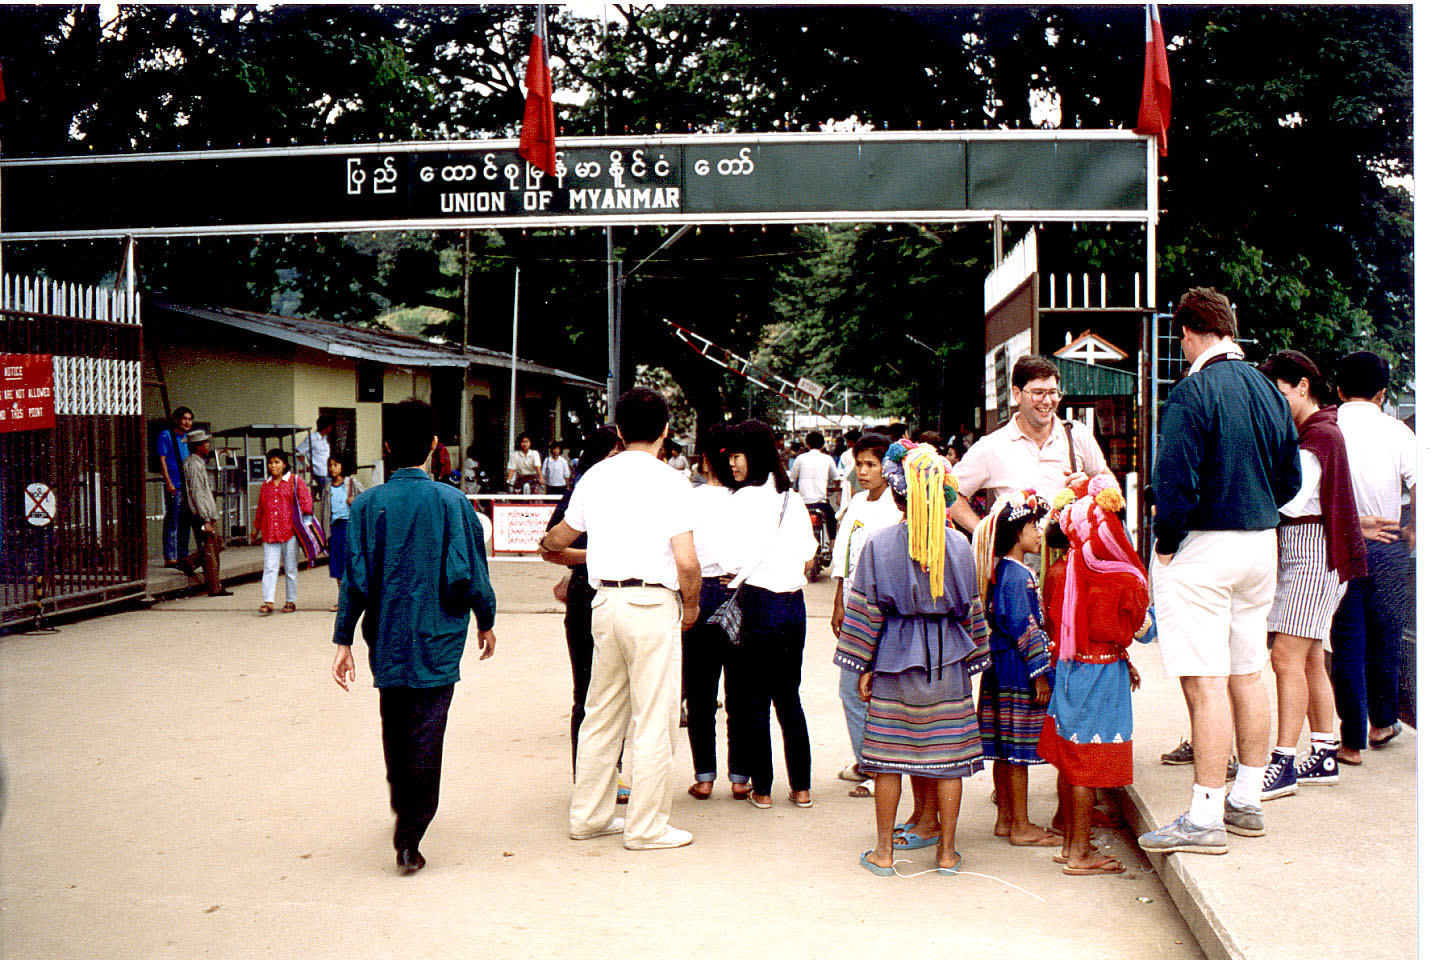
(770, 543)
(705, 650)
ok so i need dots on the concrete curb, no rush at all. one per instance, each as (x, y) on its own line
(1180, 882)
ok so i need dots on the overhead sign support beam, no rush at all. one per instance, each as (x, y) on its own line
(962, 176)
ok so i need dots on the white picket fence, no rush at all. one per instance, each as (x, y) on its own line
(57, 298)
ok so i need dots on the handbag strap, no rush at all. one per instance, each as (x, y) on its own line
(1070, 440)
(739, 579)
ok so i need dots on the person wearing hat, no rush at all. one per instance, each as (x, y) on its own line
(204, 517)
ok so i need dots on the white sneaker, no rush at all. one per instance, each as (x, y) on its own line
(672, 837)
(617, 825)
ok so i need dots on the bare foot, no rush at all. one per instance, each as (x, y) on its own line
(701, 789)
(947, 861)
(881, 858)
(1002, 828)
(1346, 755)
(1029, 835)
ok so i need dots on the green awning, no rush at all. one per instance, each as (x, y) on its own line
(1085, 381)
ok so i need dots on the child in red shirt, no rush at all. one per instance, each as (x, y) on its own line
(275, 526)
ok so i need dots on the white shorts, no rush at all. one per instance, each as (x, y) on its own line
(1212, 601)
(1307, 591)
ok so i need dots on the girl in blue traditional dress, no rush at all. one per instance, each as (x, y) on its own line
(1016, 688)
(915, 632)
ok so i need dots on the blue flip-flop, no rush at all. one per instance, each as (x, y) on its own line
(902, 828)
(950, 871)
(912, 841)
(876, 869)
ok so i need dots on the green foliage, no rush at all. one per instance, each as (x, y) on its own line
(1293, 136)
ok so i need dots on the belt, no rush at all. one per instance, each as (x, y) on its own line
(632, 582)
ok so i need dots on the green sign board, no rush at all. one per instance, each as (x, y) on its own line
(773, 178)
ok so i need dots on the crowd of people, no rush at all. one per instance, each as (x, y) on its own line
(966, 631)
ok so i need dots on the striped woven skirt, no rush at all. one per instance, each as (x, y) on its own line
(921, 726)
(1307, 591)
(1010, 720)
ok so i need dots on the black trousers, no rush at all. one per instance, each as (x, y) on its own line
(412, 726)
(771, 651)
(705, 651)
(581, 643)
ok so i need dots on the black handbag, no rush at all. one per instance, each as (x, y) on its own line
(727, 615)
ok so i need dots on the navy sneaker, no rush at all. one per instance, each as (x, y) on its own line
(1279, 777)
(1320, 767)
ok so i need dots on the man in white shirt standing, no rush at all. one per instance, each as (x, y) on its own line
(1366, 632)
(812, 473)
(642, 564)
(314, 453)
(1034, 451)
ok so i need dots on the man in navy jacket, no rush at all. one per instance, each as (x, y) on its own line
(1228, 458)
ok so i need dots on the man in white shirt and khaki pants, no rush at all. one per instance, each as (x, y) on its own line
(642, 564)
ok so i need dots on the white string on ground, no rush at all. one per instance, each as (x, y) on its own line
(963, 873)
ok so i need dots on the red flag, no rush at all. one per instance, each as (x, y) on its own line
(2, 81)
(537, 132)
(1155, 95)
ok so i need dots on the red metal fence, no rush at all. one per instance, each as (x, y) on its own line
(84, 544)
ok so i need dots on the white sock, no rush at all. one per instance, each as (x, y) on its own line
(1324, 741)
(1246, 791)
(1285, 751)
(1207, 806)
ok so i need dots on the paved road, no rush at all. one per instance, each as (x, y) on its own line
(187, 781)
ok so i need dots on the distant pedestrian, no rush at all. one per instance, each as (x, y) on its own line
(1227, 459)
(201, 509)
(175, 532)
(522, 473)
(1366, 633)
(641, 558)
(813, 474)
(440, 465)
(313, 453)
(675, 457)
(556, 470)
(412, 597)
(275, 526)
(1321, 551)
(340, 494)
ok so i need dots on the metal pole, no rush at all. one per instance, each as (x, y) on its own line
(514, 350)
(1152, 219)
(612, 382)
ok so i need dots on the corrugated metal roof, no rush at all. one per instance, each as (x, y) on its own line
(367, 343)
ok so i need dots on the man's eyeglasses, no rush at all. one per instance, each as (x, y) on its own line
(1054, 393)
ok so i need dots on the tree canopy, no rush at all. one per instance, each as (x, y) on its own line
(1286, 185)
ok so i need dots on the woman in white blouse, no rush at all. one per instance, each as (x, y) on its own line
(705, 649)
(770, 541)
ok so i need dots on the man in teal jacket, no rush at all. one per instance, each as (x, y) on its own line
(1227, 459)
(415, 570)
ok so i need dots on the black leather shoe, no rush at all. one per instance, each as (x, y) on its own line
(223, 593)
(409, 861)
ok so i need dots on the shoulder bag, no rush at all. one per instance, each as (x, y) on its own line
(727, 615)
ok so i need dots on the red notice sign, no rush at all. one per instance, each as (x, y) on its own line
(27, 392)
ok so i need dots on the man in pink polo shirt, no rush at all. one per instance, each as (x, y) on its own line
(1032, 451)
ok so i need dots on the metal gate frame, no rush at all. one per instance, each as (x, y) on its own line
(94, 551)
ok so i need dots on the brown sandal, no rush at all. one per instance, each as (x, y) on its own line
(266, 609)
(288, 608)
